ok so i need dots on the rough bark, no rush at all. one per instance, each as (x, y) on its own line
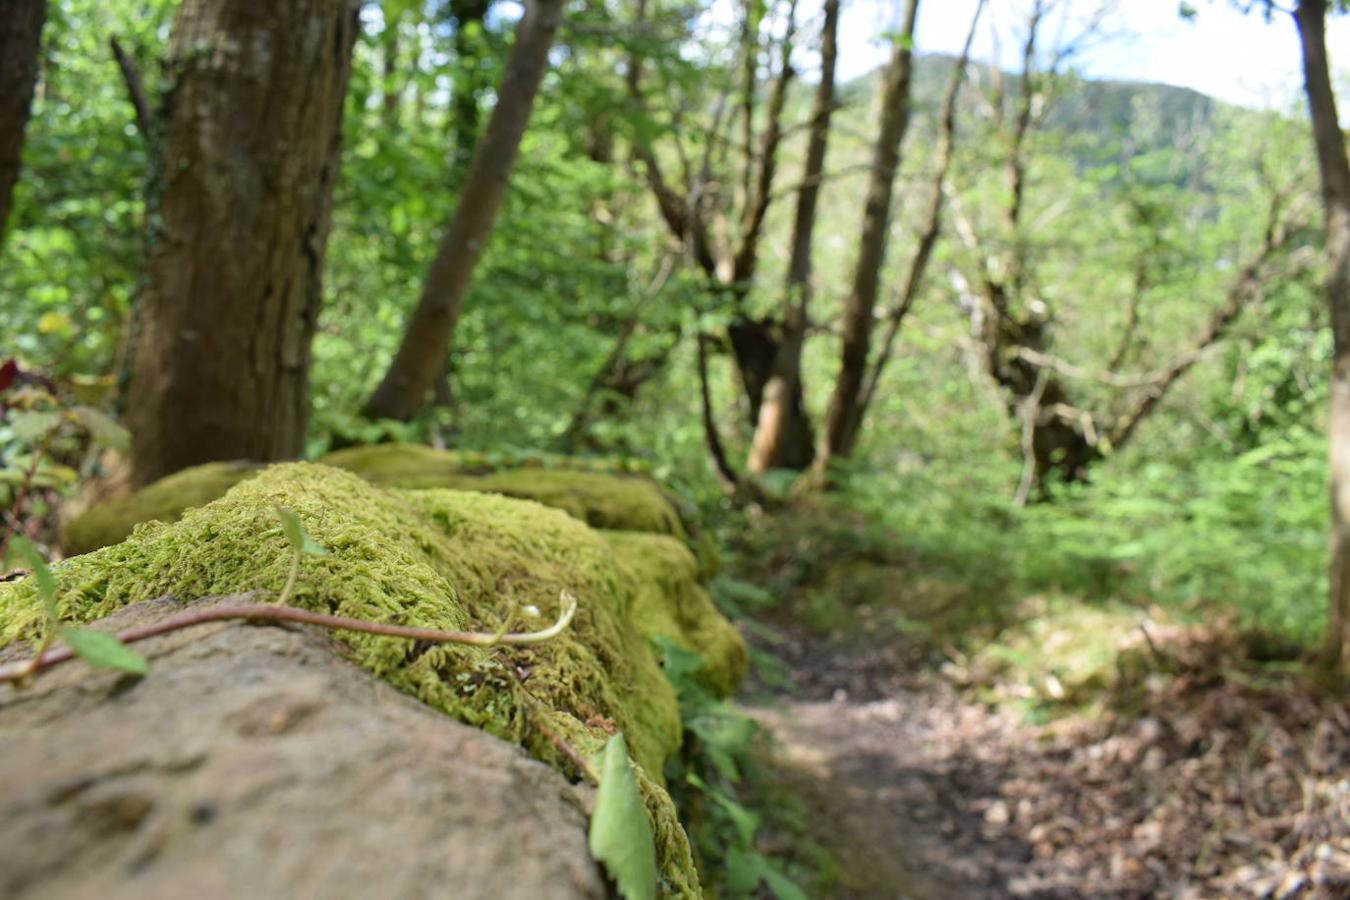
(783, 435)
(20, 46)
(240, 214)
(843, 420)
(421, 356)
(1334, 171)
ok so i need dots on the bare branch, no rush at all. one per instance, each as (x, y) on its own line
(726, 474)
(131, 76)
(760, 193)
(923, 251)
(1029, 411)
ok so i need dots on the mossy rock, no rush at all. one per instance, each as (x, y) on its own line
(670, 601)
(442, 559)
(619, 501)
(603, 500)
(164, 501)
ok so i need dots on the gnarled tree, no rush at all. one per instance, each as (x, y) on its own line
(1013, 323)
(844, 414)
(718, 208)
(781, 415)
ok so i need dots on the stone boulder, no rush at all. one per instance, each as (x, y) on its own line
(258, 762)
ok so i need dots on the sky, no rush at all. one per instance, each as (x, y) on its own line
(1221, 52)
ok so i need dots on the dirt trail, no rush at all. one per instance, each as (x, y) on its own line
(890, 766)
(921, 793)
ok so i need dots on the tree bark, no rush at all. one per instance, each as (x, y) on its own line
(1334, 171)
(20, 46)
(422, 354)
(239, 219)
(783, 435)
(842, 425)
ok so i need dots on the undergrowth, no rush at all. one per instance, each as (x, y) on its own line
(748, 836)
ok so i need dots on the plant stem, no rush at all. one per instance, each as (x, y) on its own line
(290, 580)
(272, 613)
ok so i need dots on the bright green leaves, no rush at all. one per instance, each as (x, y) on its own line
(97, 648)
(621, 834)
(103, 650)
(296, 534)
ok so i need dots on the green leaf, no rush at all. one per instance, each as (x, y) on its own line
(297, 535)
(621, 833)
(30, 426)
(21, 547)
(103, 428)
(745, 821)
(104, 650)
(781, 886)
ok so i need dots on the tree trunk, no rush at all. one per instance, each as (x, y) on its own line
(240, 217)
(756, 346)
(466, 94)
(425, 343)
(1334, 170)
(20, 46)
(783, 433)
(842, 425)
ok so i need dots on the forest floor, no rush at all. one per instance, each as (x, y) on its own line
(1204, 782)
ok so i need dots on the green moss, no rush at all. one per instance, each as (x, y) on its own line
(629, 502)
(404, 465)
(165, 500)
(602, 500)
(431, 558)
(605, 501)
(669, 601)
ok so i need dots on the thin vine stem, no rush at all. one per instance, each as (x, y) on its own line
(17, 671)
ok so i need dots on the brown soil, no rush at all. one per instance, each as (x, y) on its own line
(1205, 788)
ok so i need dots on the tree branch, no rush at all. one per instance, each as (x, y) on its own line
(726, 474)
(923, 251)
(131, 75)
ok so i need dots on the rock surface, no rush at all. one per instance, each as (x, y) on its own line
(258, 762)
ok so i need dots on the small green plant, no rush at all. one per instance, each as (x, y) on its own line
(95, 647)
(712, 775)
(301, 545)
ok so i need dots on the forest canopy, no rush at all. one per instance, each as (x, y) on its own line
(976, 291)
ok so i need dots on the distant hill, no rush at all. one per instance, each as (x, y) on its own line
(1104, 120)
